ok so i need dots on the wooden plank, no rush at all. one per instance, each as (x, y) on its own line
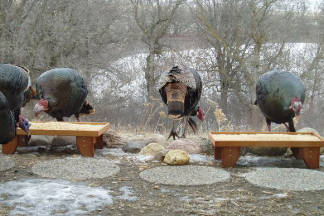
(99, 142)
(298, 153)
(58, 132)
(86, 145)
(230, 155)
(311, 157)
(270, 143)
(217, 153)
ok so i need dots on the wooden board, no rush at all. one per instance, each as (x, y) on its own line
(266, 139)
(305, 145)
(93, 129)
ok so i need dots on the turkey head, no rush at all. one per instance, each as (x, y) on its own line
(41, 106)
(296, 105)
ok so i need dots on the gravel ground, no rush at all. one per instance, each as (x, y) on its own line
(76, 168)
(235, 196)
(184, 175)
(287, 179)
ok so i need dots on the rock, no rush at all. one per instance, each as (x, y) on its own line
(64, 140)
(308, 129)
(268, 151)
(205, 144)
(154, 149)
(40, 140)
(187, 145)
(176, 157)
(157, 139)
(151, 149)
(134, 146)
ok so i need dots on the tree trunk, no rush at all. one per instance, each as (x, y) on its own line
(149, 77)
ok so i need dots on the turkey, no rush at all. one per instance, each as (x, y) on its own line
(180, 90)
(62, 93)
(7, 121)
(280, 96)
(16, 86)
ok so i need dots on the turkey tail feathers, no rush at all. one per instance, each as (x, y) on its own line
(193, 124)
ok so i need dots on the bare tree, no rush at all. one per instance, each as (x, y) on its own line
(154, 19)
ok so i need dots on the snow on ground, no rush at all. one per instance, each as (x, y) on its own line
(127, 194)
(118, 152)
(54, 197)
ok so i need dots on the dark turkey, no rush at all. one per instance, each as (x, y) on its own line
(15, 84)
(280, 95)
(7, 121)
(62, 93)
(181, 91)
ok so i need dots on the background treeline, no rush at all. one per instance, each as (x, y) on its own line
(122, 46)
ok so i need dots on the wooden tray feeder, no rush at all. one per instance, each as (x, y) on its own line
(88, 135)
(304, 145)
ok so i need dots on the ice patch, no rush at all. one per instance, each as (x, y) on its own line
(52, 197)
(127, 194)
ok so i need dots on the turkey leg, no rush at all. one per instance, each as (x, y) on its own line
(291, 126)
(173, 133)
(268, 124)
(185, 119)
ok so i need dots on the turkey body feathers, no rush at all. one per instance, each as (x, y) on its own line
(14, 82)
(7, 121)
(181, 90)
(190, 78)
(274, 91)
(64, 89)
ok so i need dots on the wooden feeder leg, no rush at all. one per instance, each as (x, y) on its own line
(85, 145)
(99, 142)
(297, 152)
(230, 155)
(312, 157)
(11, 146)
(218, 153)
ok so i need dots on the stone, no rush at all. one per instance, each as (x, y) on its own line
(134, 146)
(151, 149)
(206, 145)
(64, 140)
(187, 145)
(40, 140)
(154, 149)
(176, 157)
(268, 151)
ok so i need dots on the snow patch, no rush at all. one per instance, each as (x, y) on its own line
(128, 156)
(52, 197)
